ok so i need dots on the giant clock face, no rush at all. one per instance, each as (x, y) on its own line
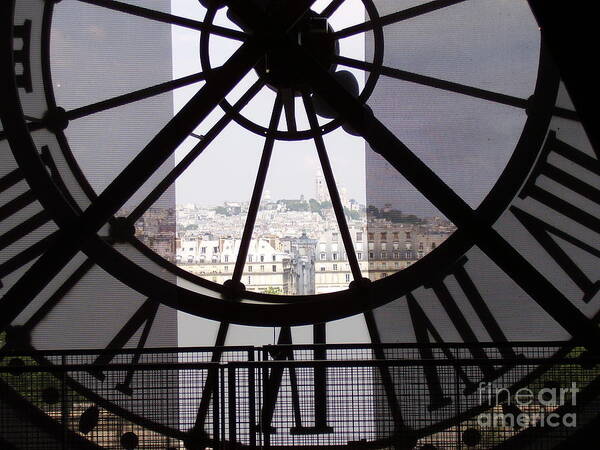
(522, 263)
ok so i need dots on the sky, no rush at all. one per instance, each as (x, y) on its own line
(490, 44)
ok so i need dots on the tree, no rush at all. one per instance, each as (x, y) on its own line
(314, 205)
(372, 211)
(273, 290)
(354, 215)
(222, 210)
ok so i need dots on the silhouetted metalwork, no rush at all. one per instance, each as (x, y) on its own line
(86, 399)
(277, 397)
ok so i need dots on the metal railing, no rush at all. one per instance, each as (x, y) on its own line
(322, 396)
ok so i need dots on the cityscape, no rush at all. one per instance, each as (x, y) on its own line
(296, 248)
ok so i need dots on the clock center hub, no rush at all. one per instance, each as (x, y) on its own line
(312, 33)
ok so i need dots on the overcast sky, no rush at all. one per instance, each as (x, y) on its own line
(491, 44)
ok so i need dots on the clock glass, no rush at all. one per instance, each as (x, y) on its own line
(218, 173)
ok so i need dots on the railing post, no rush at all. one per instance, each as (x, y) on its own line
(251, 400)
(223, 403)
(64, 409)
(457, 405)
(216, 410)
(266, 398)
(231, 403)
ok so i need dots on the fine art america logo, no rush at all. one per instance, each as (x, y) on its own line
(526, 407)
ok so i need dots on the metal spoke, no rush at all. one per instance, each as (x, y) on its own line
(191, 156)
(395, 17)
(135, 96)
(168, 18)
(434, 82)
(338, 208)
(257, 192)
(289, 104)
(331, 8)
(449, 86)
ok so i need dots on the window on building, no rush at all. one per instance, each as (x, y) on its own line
(274, 257)
(347, 278)
(334, 256)
(359, 236)
(396, 237)
(359, 255)
(249, 258)
(335, 267)
(371, 236)
(371, 255)
(432, 245)
(226, 258)
(323, 256)
(407, 235)
(334, 237)
(322, 268)
(262, 258)
(215, 249)
(420, 246)
(249, 280)
(396, 255)
(249, 268)
(274, 268)
(383, 255)
(383, 246)
(262, 268)
(383, 275)
(384, 236)
(191, 249)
